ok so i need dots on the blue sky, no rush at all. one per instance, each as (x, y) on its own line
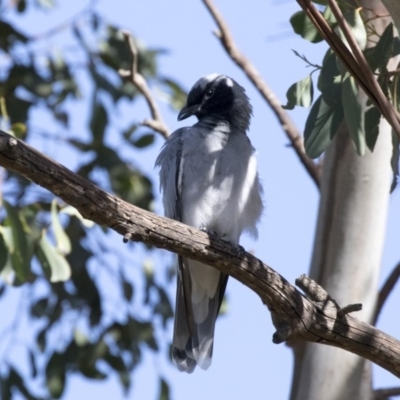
(245, 361)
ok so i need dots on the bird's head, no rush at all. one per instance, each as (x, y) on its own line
(221, 97)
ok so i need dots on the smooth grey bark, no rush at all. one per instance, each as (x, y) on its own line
(347, 253)
(393, 7)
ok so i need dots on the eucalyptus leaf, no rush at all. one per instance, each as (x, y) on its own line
(56, 262)
(354, 114)
(300, 94)
(357, 26)
(394, 162)
(322, 123)
(382, 52)
(3, 252)
(372, 119)
(329, 80)
(73, 212)
(55, 374)
(20, 255)
(164, 390)
(144, 141)
(98, 123)
(62, 240)
(303, 26)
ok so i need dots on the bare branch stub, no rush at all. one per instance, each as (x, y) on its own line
(156, 123)
(296, 140)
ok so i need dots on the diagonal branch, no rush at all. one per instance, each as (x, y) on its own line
(315, 318)
(386, 393)
(156, 123)
(296, 140)
(386, 290)
(355, 62)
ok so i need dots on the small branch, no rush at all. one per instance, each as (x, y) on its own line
(385, 394)
(318, 294)
(386, 290)
(296, 140)
(295, 316)
(156, 123)
(355, 62)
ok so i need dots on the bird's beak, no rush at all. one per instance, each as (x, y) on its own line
(187, 112)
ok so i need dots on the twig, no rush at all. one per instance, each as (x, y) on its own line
(156, 123)
(355, 62)
(296, 140)
(386, 290)
(385, 394)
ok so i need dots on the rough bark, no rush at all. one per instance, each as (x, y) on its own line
(315, 318)
(347, 254)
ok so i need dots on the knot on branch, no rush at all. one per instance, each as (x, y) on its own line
(319, 295)
(8, 144)
(127, 237)
(282, 333)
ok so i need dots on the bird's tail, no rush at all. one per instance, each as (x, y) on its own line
(200, 290)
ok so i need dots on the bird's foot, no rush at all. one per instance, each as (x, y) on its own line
(239, 250)
(209, 232)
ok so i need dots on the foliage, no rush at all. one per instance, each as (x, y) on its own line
(340, 95)
(46, 247)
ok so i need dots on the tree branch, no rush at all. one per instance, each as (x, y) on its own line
(354, 62)
(294, 315)
(156, 123)
(296, 139)
(386, 290)
(385, 394)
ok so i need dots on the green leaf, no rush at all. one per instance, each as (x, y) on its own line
(3, 251)
(321, 126)
(300, 94)
(98, 123)
(303, 26)
(20, 254)
(143, 141)
(354, 114)
(396, 90)
(372, 119)
(55, 374)
(115, 362)
(54, 264)
(383, 50)
(178, 96)
(62, 240)
(357, 27)
(10, 36)
(164, 390)
(394, 161)
(127, 289)
(40, 308)
(73, 212)
(19, 130)
(329, 80)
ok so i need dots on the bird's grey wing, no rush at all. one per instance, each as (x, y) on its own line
(169, 161)
(200, 287)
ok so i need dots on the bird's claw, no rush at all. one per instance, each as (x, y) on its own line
(209, 232)
(239, 250)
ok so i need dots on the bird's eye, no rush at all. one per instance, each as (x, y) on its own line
(209, 92)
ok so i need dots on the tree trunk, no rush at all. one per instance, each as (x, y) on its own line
(347, 253)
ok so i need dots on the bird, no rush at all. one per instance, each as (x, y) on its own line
(209, 180)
